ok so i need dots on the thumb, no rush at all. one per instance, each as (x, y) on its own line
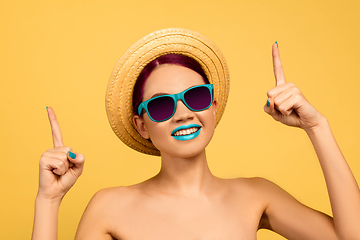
(269, 108)
(77, 161)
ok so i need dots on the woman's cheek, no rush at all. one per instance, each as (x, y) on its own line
(159, 135)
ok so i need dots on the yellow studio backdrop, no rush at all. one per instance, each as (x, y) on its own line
(61, 54)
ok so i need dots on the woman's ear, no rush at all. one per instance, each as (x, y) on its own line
(140, 125)
(214, 107)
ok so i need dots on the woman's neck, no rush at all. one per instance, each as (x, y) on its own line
(185, 175)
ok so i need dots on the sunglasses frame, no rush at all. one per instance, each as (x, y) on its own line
(176, 97)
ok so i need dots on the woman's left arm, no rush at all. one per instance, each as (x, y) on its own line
(343, 190)
(286, 104)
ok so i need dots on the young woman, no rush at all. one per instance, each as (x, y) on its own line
(178, 99)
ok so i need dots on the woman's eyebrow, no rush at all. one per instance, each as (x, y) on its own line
(158, 94)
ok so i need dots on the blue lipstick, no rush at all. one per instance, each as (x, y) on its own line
(189, 136)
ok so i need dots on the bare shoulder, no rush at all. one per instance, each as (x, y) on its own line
(264, 189)
(114, 199)
(264, 186)
(261, 192)
(256, 185)
(113, 194)
(255, 181)
(270, 191)
(97, 221)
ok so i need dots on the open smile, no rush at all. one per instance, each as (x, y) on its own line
(186, 132)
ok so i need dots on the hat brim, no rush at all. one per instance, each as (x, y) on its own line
(168, 41)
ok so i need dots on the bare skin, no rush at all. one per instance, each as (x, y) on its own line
(185, 201)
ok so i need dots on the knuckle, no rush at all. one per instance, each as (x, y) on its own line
(48, 151)
(277, 102)
(42, 161)
(286, 113)
(291, 84)
(297, 91)
(67, 148)
(282, 109)
(294, 88)
(298, 98)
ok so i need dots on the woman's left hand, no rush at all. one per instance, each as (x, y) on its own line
(286, 103)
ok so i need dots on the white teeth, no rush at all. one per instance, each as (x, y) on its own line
(186, 131)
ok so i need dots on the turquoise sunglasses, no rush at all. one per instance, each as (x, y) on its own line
(161, 108)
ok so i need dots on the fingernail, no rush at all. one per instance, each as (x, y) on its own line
(277, 44)
(47, 107)
(268, 103)
(72, 155)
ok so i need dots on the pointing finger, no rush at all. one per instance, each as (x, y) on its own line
(55, 128)
(278, 70)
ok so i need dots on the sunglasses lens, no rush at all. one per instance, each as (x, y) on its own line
(161, 108)
(198, 98)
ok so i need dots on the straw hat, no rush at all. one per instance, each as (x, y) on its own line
(168, 41)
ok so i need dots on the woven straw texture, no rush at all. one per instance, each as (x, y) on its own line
(128, 68)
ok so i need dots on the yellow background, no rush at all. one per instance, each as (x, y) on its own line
(61, 54)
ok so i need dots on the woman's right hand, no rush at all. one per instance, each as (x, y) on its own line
(59, 167)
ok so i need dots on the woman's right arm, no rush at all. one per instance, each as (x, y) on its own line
(59, 168)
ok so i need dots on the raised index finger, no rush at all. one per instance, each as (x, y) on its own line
(55, 128)
(278, 70)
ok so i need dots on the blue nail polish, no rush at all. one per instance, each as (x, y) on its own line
(277, 44)
(47, 107)
(268, 103)
(72, 155)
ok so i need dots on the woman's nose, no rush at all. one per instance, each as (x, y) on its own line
(182, 113)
